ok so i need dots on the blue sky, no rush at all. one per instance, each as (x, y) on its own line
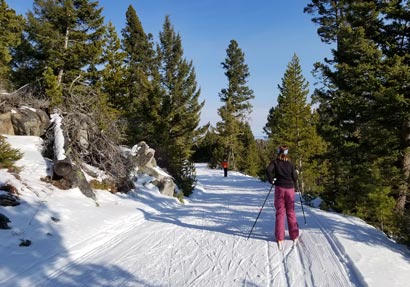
(268, 32)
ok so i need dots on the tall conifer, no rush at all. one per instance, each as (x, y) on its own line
(180, 108)
(141, 99)
(236, 105)
(293, 123)
(112, 75)
(140, 53)
(63, 35)
(359, 108)
(11, 26)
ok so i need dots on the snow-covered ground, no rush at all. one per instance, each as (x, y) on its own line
(145, 239)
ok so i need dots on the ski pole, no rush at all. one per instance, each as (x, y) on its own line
(260, 211)
(301, 203)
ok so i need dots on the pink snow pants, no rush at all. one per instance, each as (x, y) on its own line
(285, 204)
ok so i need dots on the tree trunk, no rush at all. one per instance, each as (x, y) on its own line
(404, 187)
(63, 166)
(61, 71)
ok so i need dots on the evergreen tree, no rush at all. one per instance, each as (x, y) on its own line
(52, 89)
(341, 108)
(264, 157)
(394, 42)
(292, 123)
(63, 35)
(141, 100)
(180, 109)
(204, 148)
(112, 75)
(11, 27)
(8, 155)
(248, 162)
(236, 106)
(364, 106)
(140, 55)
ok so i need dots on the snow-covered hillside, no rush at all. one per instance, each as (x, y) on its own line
(145, 239)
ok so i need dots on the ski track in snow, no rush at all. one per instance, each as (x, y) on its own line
(187, 245)
(346, 265)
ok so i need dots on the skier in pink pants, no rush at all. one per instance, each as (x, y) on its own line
(286, 176)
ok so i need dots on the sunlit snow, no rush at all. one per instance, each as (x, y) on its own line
(145, 239)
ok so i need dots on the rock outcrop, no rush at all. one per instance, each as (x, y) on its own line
(24, 121)
(145, 163)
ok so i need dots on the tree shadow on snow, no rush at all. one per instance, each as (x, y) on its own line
(230, 206)
(33, 265)
(79, 275)
(334, 225)
(227, 206)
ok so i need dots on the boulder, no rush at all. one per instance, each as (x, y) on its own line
(145, 162)
(30, 122)
(166, 186)
(144, 155)
(6, 126)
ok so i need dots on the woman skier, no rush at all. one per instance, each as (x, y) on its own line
(285, 175)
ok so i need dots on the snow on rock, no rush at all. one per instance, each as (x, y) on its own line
(58, 137)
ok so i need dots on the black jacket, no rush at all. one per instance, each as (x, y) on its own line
(284, 172)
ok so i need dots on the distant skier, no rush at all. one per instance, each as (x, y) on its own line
(225, 167)
(286, 177)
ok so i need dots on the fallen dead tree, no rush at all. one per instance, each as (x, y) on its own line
(91, 139)
(65, 170)
(90, 135)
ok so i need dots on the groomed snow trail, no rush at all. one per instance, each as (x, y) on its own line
(204, 243)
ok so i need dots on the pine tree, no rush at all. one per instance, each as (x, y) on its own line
(141, 100)
(263, 156)
(236, 105)
(8, 155)
(52, 89)
(341, 109)
(63, 35)
(248, 162)
(180, 108)
(11, 27)
(364, 106)
(394, 43)
(140, 55)
(204, 148)
(292, 123)
(112, 75)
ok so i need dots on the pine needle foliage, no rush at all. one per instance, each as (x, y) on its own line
(53, 90)
(113, 73)
(364, 108)
(293, 123)
(179, 109)
(234, 134)
(65, 36)
(8, 155)
(11, 26)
